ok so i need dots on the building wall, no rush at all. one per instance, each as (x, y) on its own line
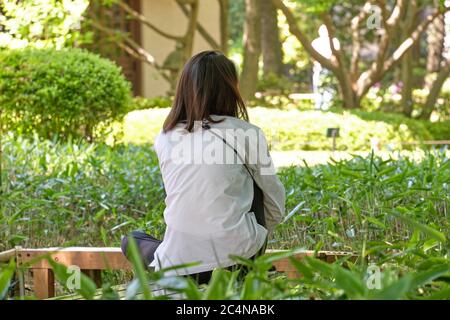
(166, 15)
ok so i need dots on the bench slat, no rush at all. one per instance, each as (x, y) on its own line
(84, 258)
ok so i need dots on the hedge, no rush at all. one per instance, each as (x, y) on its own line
(301, 130)
(70, 92)
(439, 130)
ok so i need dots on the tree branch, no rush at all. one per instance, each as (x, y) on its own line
(224, 24)
(397, 13)
(192, 26)
(356, 40)
(341, 71)
(411, 40)
(436, 87)
(127, 43)
(203, 32)
(303, 38)
(142, 19)
(337, 53)
(390, 24)
(381, 66)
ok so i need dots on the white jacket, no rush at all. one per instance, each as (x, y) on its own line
(209, 197)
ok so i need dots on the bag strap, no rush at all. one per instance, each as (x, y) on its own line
(258, 196)
(235, 151)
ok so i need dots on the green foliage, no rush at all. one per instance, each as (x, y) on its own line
(392, 212)
(87, 286)
(77, 193)
(65, 93)
(6, 275)
(40, 23)
(316, 6)
(235, 24)
(140, 103)
(90, 194)
(380, 200)
(295, 130)
(346, 280)
(274, 83)
(139, 269)
(301, 130)
(439, 130)
(142, 126)
(341, 280)
(281, 102)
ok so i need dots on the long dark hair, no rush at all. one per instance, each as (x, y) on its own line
(208, 86)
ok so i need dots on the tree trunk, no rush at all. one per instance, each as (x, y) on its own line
(406, 78)
(270, 39)
(407, 63)
(252, 48)
(350, 99)
(435, 89)
(224, 13)
(200, 28)
(435, 44)
(188, 39)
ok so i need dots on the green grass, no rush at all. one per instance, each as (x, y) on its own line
(76, 193)
(393, 212)
(356, 203)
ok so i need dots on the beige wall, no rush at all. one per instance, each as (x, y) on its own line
(166, 15)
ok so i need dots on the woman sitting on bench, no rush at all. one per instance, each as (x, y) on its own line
(223, 196)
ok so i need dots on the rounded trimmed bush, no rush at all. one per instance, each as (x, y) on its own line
(67, 93)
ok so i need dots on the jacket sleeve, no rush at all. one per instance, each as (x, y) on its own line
(265, 177)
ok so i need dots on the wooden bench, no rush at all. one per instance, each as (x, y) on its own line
(90, 260)
(93, 260)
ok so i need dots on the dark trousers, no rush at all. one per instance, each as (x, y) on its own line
(204, 277)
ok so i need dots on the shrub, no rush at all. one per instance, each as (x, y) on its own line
(296, 130)
(283, 102)
(439, 130)
(396, 120)
(300, 130)
(141, 103)
(275, 83)
(142, 126)
(63, 93)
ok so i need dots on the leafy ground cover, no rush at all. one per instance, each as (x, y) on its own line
(392, 212)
